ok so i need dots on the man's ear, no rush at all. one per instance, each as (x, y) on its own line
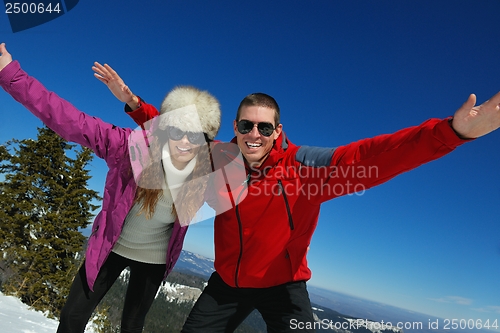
(277, 131)
(235, 127)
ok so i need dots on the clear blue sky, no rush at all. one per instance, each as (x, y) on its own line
(428, 240)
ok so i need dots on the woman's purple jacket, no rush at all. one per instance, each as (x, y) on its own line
(108, 142)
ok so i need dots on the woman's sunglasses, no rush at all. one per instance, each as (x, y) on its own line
(196, 138)
(246, 126)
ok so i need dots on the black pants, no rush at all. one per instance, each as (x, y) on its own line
(145, 279)
(222, 308)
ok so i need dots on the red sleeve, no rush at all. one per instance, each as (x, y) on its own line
(144, 113)
(370, 162)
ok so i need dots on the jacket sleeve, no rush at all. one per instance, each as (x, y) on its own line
(106, 140)
(366, 163)
(144, 113)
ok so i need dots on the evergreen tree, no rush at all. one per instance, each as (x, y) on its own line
(44, 203)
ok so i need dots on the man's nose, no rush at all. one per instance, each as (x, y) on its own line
(255, 130)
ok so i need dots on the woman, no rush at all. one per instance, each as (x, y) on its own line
(138, 225)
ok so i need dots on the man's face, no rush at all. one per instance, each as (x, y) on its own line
(253, 145)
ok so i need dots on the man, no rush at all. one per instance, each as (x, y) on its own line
(261, 242)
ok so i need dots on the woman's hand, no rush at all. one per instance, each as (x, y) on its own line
(5, 57)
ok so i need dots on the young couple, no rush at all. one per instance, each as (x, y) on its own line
(263, 225)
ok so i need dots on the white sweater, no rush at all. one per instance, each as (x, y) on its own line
(147, 240)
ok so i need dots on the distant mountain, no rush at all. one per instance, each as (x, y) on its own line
(412, 322)
(196, 264)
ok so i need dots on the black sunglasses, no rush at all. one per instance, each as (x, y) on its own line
(246, 126)
(196, 138)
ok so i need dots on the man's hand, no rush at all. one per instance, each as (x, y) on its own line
(5, 57)
(109, 77)
(472, 121)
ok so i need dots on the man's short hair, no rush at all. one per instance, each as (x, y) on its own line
(260, 99)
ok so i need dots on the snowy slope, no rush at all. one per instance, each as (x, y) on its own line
(16, 317)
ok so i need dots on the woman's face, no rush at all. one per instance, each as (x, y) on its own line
(183, 146)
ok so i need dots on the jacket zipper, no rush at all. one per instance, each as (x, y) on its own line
(240, 226)
(290, 220)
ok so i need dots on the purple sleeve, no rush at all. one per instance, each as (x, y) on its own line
(106, 140)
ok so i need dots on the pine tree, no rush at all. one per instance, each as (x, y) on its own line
(44, 203)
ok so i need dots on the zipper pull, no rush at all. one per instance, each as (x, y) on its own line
(248, 179)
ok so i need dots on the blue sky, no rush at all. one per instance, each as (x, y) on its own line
(428, 240)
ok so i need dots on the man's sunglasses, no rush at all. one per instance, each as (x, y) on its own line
(246, 126)
(196, 138)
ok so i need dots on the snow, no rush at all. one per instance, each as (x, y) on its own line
(20, 319)
(17, 317)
